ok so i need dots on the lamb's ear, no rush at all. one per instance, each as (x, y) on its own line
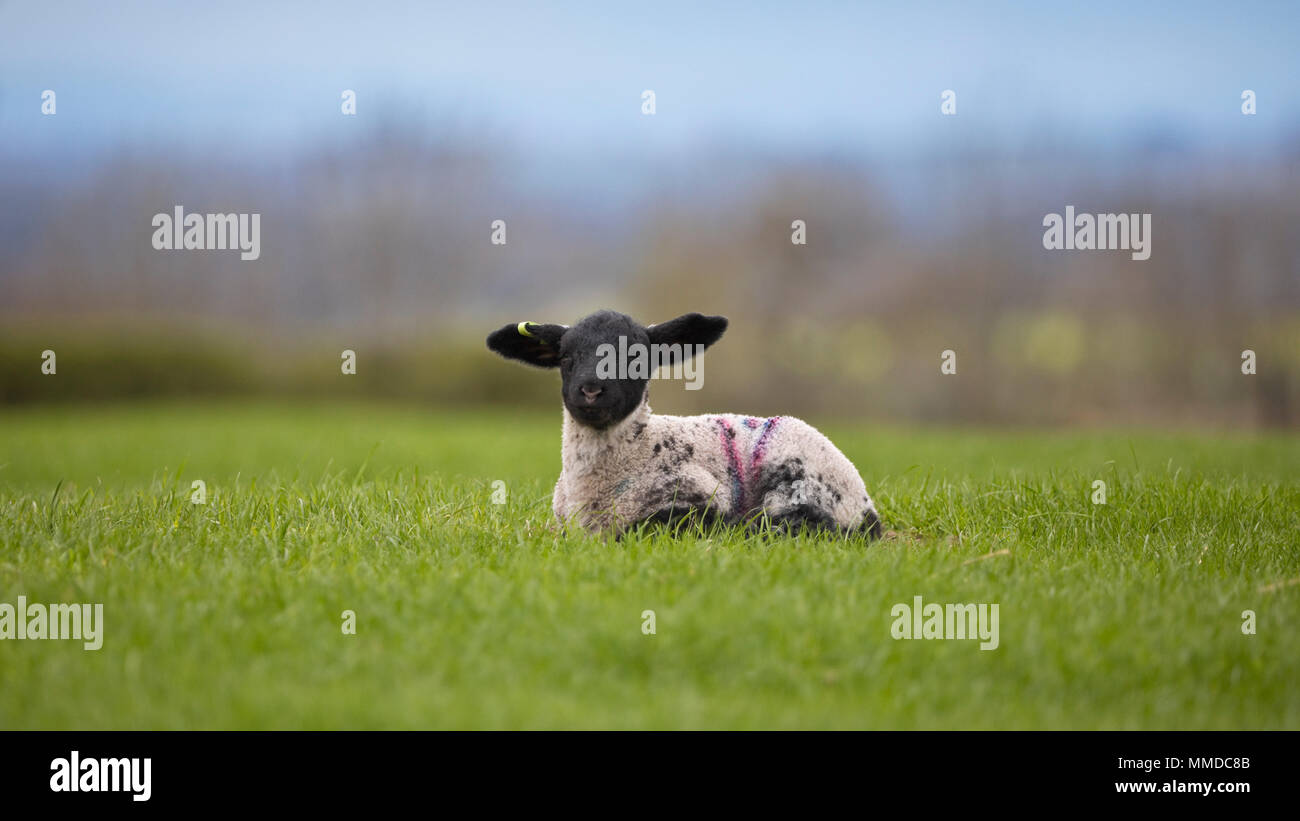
(529, 342)
(688, 330)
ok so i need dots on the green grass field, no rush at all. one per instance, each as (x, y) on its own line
(470, 614)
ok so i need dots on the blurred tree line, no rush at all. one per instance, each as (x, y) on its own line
(382, 246)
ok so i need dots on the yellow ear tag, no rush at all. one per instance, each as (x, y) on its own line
(523, 329)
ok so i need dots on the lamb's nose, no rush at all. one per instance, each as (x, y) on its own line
(591, 393)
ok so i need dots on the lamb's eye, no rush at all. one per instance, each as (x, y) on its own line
(566, 360)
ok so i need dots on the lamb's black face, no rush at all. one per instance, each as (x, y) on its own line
(594, 357)
(592, 400)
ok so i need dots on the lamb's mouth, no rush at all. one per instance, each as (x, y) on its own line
(593, 417)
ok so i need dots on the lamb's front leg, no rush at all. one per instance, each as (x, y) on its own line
(558, 504)
(594, 513)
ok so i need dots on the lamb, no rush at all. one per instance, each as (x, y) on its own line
(623, 465)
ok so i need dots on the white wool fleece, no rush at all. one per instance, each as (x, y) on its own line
(737, 467)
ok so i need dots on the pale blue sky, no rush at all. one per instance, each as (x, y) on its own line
(567, 77)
